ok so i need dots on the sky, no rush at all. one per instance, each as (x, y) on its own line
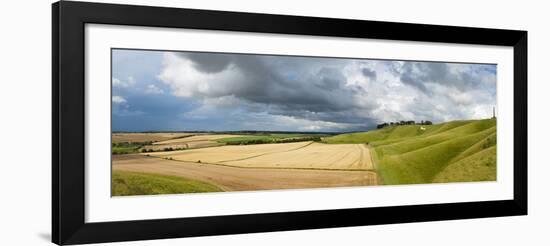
(194, 91)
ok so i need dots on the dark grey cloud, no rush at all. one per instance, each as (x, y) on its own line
(289, 84)
(208, 62)
(369, 73)
(463, 77)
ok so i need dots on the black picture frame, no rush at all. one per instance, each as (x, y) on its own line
(68, 107)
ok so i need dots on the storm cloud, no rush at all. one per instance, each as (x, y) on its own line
(463, 77)
(369, 73)
(308, 88)
(323, 94)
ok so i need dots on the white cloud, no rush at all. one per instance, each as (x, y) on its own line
(310, 125)
(186, 81)
(119, 100)
(153, 89)
(121, 107)
(128, 82)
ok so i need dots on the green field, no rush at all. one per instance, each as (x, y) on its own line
(132, 183)
(127, 147)
(269, 138)
(247, 138)
(449, 152)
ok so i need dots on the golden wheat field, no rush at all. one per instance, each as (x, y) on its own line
(231, 178)
(300, 155)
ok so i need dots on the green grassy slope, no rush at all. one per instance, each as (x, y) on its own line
(132, 183)
(449, 152)
(480, 166)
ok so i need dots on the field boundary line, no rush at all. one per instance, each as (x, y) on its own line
(372, 153)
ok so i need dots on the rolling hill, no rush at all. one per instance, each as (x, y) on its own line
(455, 151)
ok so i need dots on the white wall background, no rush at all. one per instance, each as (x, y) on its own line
(25, 105)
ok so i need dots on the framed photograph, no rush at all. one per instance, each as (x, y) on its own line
(175, 122)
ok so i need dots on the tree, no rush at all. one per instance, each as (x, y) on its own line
(380, 126)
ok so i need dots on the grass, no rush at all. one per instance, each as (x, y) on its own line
(288, 135)
(133, 183)
(360, 137)
(270, 138)
(124, 150)
(481, 166)
(449, 152)
(127, 147)
(247, 138)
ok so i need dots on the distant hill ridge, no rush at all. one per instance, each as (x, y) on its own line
(454, 151)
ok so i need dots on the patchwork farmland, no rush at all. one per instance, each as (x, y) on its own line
(157, 163)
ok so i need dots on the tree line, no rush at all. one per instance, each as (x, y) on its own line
(268, 141)
(402, 123)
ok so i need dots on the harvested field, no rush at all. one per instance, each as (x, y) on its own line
(183, 145)
(197, 138)
(145, 137)
(245, 179)
(190, 142)
(300, 155)
(229, 152)
(316, 156)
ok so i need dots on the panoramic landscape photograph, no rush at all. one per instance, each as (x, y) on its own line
(197, 122)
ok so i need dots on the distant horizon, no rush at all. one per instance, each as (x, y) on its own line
(153, 91)
(237, 131)
(271, 131)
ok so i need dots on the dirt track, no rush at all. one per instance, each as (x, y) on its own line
(245, 179)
